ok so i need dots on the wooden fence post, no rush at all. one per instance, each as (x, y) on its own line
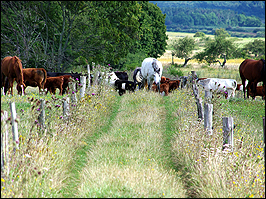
(96, 78)
(83, 86)
(14, 125)
(72, 86)
(208, 108)
(89, 76)
(228, 133)
(66, 108)
(4, 143)
(41, 117)
(196, 94)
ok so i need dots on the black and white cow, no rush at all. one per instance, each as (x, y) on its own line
(123, 85)
(137, 77)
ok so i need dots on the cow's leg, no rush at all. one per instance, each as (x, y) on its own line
(254, 89)
(244, 86)
(11, 80)
(248, 86)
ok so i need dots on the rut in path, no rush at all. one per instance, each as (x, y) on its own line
(130, 158)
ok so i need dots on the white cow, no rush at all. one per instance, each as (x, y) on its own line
(221, 85)
(151, 70)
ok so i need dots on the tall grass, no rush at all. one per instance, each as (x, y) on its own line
(40, 168)
(207, 170)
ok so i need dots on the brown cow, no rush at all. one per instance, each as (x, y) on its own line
(65, 84)
(54, 82)
(167, 86)
(33, 77)
(260, 91)
(11, 68)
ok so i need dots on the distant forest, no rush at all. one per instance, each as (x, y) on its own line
(239, 18)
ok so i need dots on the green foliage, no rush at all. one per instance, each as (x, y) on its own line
(183, 47)
(131, 61)
(203, 13)
(221, 33)
(199, 34)
(103, 32)
(256, 47)
(152, 30)
(216, 48)
(174, 71)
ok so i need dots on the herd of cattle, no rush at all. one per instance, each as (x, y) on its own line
(148, 75)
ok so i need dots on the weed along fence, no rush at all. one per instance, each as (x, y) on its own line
(205, 112)
(5, 122)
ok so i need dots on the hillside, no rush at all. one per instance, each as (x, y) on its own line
(240, 19)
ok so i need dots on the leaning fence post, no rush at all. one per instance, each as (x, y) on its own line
(83, 86)
(208, 108)
(14, 125)
(196, 94)
(4, 143)
(41, 117)
(66, 108)
(228, 133)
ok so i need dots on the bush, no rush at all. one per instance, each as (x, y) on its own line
(173, 70)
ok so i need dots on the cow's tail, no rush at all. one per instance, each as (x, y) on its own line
(45, 77)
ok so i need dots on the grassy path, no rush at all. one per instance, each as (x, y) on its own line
(130, 158)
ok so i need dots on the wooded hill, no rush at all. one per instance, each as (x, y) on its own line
(239, 18)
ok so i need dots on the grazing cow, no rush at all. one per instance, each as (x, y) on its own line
(260, 91)
(121, 75)
(33, 77)
(11, 68)
(54, 82)
(137, 77)
(167, 86)
(226, 86)
(123, 85)
(164, 79)
(151, 70)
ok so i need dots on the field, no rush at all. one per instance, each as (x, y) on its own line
(231, 63)
(140, 144)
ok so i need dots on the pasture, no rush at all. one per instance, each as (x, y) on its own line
(140, 144)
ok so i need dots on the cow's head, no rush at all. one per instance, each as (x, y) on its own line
(157, 79)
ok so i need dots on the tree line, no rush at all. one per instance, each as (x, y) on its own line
(59, 35)
(208, 17)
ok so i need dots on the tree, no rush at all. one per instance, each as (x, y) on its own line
(152, 30)
(221, 33)
(256, 47)
(216, 48)
(183, 48)
(107, 32)
(199, 34)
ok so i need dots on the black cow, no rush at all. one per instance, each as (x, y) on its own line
(121, 75)
(123, 85)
